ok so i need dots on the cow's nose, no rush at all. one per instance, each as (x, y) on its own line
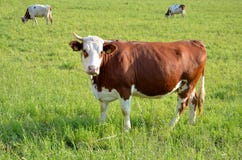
(92, 69)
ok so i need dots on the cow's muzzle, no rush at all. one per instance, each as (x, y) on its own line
(92, 70)
(24, 20)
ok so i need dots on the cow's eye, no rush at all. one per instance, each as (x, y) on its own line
(85, 54)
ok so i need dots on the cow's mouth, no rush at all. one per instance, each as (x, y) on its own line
(92, 73)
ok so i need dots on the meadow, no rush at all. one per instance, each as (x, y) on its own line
(47, 110)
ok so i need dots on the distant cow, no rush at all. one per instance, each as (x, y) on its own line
(176, 9)
(120, 69)
(38, 10)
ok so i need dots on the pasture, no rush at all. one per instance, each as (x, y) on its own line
(47, 110)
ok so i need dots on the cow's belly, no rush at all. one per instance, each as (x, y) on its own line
(181, 85)
(105, 95)
(177, 11)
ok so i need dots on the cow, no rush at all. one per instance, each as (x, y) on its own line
(176, 9)
(122, 69)
(38, 10)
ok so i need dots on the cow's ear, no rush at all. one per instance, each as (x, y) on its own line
(76, 46)
(109, 48)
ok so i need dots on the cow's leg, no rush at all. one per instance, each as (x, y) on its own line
(126, 109)
(193, 104)
(181, 105)
(170, 14)
(34, 20)
(47, 19)
(182, 101)
(103, 107)
(50, 18)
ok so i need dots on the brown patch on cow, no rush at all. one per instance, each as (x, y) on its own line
(183, 107)
(182, 6)
(76, 46)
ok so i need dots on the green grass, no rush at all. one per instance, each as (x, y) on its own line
(47, 110)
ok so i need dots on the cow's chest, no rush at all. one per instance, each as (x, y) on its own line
(105, 95)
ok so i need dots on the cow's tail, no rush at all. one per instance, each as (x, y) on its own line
(201, 94)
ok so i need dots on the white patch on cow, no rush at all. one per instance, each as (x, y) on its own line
(192, 107)
(103, 107)
(105, 95)
(176, 118)
(179, 86)
(126, 109)
(175, 9)
(183, 86)
(93, 45)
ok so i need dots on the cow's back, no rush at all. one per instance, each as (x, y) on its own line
(38, 10)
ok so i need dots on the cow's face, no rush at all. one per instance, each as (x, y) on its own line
(24, 20)
(91, 48)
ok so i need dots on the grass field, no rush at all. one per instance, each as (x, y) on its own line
(47, 110)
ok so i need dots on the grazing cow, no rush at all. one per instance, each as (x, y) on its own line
(38, 10)
(176, 9)
(120, 69)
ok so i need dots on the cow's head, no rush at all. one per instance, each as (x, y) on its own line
(91, 47)
(26, 17)
(168, 13)
(24, 20)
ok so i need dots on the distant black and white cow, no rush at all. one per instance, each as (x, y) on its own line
(176, 9)
(122, 69)
(38, 10)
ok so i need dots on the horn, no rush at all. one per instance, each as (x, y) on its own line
(78, 37)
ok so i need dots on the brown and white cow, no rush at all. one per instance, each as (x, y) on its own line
(176, 9)
(120, 69)
(38, 10)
